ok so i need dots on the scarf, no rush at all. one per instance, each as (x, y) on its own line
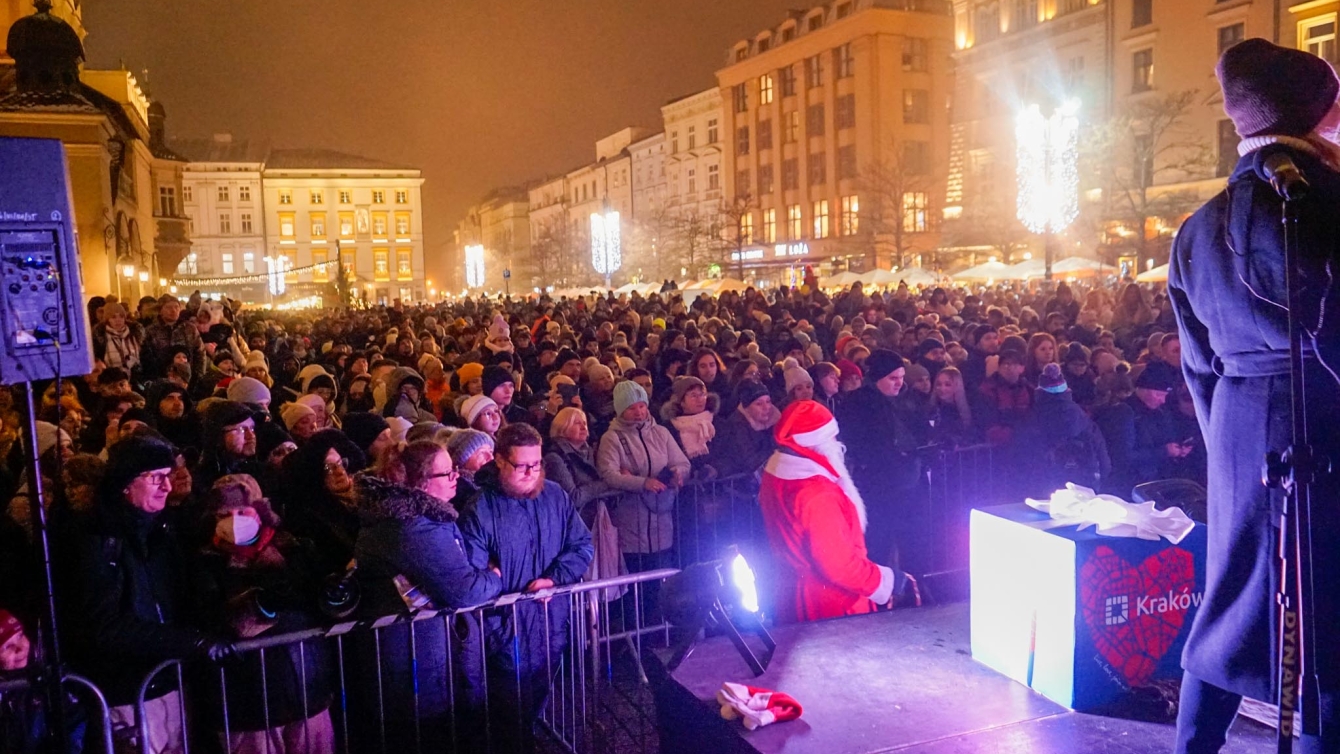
(246, 554)
(765, 426)
(695, 432)
(122, 350)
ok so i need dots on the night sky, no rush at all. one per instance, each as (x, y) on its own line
(477, 93)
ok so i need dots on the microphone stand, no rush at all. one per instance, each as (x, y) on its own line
(1295, 471)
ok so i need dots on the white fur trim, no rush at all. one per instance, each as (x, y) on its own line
(884, 592)
(794, 468)
(818, 436)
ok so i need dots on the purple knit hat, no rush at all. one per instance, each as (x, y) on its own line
(1274, 90)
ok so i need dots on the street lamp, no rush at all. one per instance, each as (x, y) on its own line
(606, 245)
(1047, 160)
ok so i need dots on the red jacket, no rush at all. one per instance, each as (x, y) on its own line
(816, 538)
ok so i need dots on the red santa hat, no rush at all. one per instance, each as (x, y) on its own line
(756, 706)
(804, 426)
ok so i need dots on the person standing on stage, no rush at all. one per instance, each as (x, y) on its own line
(1226, 282)
(815, 520)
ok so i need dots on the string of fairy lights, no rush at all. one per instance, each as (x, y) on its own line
(1048, 167)
(259, 277)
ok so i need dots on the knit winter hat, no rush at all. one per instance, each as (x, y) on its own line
(682, 385)
(882, 363)
(499, 328)
(468, 372)
(292, 413)
(130, 458)
(474, 406)
(564, 356)
(223, 414)
(626, 365)
(848, 368)
(313, 402)
(1273, 90)
(795, 375)
(248, 390)
(628, 393)
(9, 627)
(598, 372)
(399, 427)
(364, 428)
(916, 372)
(495, 376)
(749, 391)
(1052, 380)
(1157, 376)
(928, 345)
(1075, 352)
(256, 359)
(464, 443)
(47, 435)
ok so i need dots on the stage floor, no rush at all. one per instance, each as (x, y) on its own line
(903, 682)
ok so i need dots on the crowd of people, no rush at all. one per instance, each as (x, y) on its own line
(220, 468)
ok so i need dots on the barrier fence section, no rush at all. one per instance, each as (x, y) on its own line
(562, 670)
(87, 714)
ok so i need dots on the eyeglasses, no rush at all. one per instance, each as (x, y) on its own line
(156, 478)
(240, 428)
(450, 476)
(525, 468)
(331, 468)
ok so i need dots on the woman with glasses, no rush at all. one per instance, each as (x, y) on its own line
(319, 499)
(411, 554)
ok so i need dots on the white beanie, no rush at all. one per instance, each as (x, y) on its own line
(256, 359)
(795, 375)
(399, 427)
(474, 406)
(498, 328)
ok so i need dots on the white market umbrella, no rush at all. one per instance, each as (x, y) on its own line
(985, 271)
(730, 284)
(843, 279)
(1029, 268)
(1156, 275)
(1078, 266)
(917, 276)
(879, 277)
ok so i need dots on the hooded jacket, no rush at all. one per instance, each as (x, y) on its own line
(645, 520)
(396, 407)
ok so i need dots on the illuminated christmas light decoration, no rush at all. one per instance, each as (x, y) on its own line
(1047, 159)
(606, 245)
(275, 268)
(474, 266)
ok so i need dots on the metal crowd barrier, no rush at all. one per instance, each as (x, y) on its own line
(958, 480)
(572, 680)
(98, 723)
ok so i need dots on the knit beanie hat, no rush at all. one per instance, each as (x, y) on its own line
(749, 391)
(134, 456)
(564, 356)
(682, 385)
(47, 435)
(464, 443)
(848, 368)
(626, 365)
(269, 435)
(9, 627)
(248, 390)
(292, 413)
(928, 345)
(1275, 90)
(1051, 380)
(312, 401)
(795, 375)
(628, 393)
(474, 406)
(498, 328)
(599, 372)
(882, 363)
(1075, 352)
(1157, 376)
(222, 414)
(916, 372)
(399, 427)
(256, 359)
(364, 427)
(468, 372)
(495, 376)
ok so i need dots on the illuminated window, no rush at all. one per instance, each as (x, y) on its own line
(186, 194)
(851, 215)
(248, 262)
(244, 193)
(1142, 69)
(1317, 36)
(246, 223)
(223, 193)
(765, 89)
(401, 224)
(790, 127)
(318, 225)
(285, 196)
(227, 258)
(914, 212)
(346, 225)
(769, 226)
(346, 196)
(821, 219)
(318, 197)
(286, 225)
(378, 196)
(402, 196)
(381, 265)
(320, 274)
(794, 226)
(379, 224)
(747, 227)
(225, 224)
(844, 65)
(818, 169)
(403, 268)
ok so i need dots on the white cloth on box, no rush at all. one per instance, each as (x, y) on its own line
(1112, 516)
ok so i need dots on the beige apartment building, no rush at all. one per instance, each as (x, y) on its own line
(501, 224)
(836, 124)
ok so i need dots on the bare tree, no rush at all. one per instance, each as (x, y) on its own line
(732, 235)
(694, 239)
(1140, 153)
(991, 222)
(896, 211)
(552, 254)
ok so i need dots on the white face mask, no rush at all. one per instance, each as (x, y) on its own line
(238, 529)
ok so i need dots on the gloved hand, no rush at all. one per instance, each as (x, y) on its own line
(216, 650)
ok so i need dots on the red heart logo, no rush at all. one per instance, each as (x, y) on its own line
(1135, 614)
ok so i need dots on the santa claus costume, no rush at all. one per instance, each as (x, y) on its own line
(816, 522)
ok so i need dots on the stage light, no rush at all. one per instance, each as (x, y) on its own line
(1047, 159)
(720, 594)
(474, 265)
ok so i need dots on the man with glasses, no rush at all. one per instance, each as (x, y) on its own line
(230, 443)
(527, 528)
(129, 590)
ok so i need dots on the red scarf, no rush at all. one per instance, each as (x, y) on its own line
(246, 553)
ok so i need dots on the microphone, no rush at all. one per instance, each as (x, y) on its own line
(1276, 167)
